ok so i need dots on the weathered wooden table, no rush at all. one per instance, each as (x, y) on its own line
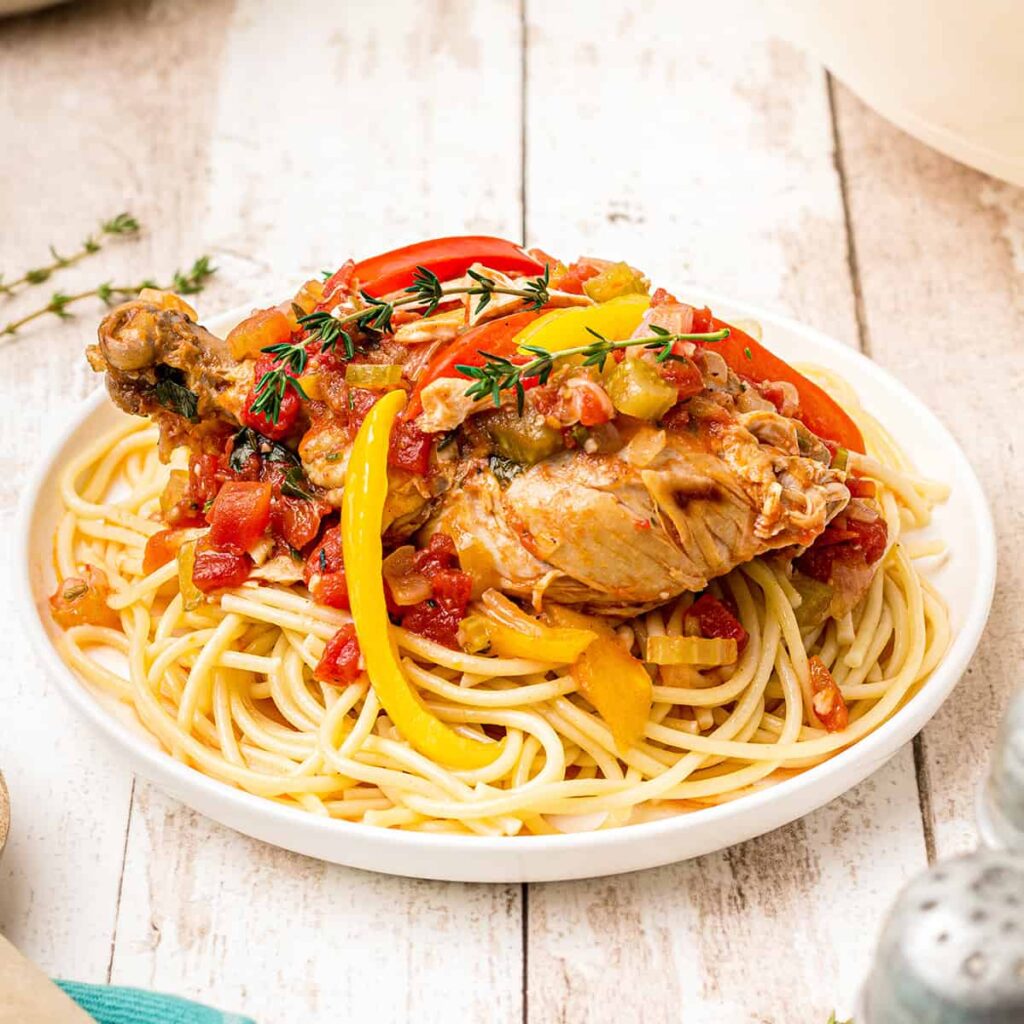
(282, 137)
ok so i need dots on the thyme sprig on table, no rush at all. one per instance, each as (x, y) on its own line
(499, 373)
(189, 282)
(122, 224)
(376, 316)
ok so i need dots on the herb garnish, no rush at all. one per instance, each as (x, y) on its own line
(294, 484)
(376, 315)
(504, 469)
(184, 283)
(122, 224)
(170, 392)
(248, 442)
(499, 374)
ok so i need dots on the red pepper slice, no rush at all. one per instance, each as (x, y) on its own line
(446, 257)
(818, 412)
(495, 336)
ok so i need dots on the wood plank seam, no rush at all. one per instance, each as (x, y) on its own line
(863, 338)
(120, 881)
(924, 796)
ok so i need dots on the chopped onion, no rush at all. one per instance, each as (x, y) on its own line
(644, 447)
(372, 375)
(691, 650)
(406, 585)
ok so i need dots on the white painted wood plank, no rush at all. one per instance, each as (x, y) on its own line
(774, 931)
(684, 141)
(379, 125)
(362, 143)
(679, 137)
(940, 250)
(208, 913)
(78, 147)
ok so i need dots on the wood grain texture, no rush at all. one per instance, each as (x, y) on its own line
(703, 151)
(78, 146)
(351, 145)
(940, 251)
(206, 912)
(676, 136)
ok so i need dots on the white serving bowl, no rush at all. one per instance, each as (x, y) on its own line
(950, 73)
(966, 581)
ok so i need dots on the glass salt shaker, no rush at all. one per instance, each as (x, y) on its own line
(952, 948)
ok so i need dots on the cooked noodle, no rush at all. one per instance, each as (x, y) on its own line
(228, 688)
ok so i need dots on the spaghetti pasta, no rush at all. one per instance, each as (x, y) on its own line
(228, 686)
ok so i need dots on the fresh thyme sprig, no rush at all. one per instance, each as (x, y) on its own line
(122, 224)
(188, 282)
(426, 290)
(500, 374)
(376, 316)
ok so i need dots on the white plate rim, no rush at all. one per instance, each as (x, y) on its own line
(523, 858)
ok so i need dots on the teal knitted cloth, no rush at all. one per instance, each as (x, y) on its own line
(111, 1005)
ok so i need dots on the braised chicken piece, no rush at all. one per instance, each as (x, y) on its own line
(160, 363)
(616, 482)
(667, 513)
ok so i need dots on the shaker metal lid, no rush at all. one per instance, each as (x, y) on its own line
(952, 948)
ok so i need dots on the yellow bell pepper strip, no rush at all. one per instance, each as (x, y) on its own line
(191, 595)
(691, 650)
(546, 643)
(608, 676)
(615, 320)
(366, 486)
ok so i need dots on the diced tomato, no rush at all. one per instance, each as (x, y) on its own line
(286, 417)
(572, 278)
(290, 404)
(773, 392)
(296, 520)
(410, 448)
(240, 514)
(325, 571)
(828, 702)
(439, 616)
(860, 488)
(845, 540)
(215, 567)
(161, 548)
(202, 478)
(337, 283)
(82, 600)
(704, 323)
(594, 412)
(684, 376)
(662, 298)
(714, 619)
(439, 554)
(341, 658)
